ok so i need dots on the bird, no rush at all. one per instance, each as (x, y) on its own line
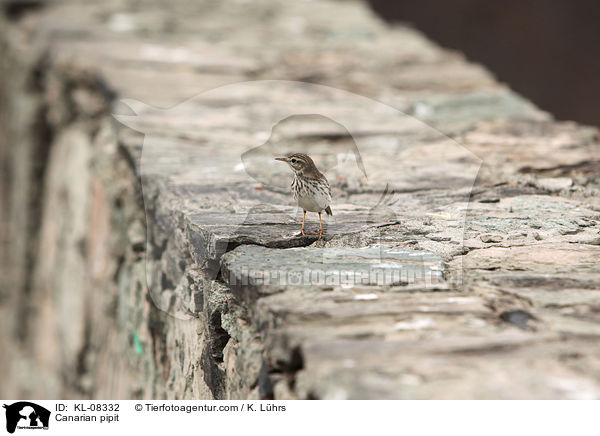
(310, 187)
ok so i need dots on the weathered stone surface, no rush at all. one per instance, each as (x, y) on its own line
(129, 257)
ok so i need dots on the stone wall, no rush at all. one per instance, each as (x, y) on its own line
(125, 269)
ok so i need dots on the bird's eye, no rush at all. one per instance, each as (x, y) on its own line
(293, 160)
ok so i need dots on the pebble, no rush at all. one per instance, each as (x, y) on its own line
(555, 184)
(491, 238)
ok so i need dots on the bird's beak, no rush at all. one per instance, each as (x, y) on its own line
(282, 159)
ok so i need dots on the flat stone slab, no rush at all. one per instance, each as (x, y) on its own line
(261, 268)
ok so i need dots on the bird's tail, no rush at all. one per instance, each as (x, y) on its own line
(328, 210)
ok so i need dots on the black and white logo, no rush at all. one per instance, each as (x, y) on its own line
(26, 415)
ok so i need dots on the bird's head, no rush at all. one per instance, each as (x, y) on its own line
(299, 162)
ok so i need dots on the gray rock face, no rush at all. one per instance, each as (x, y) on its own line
(462, 259)
(262, 267)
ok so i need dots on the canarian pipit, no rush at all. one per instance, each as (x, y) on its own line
(310, 187)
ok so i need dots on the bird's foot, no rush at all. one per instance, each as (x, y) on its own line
(321, 233)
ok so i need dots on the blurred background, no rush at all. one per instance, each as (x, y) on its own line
(546, 50)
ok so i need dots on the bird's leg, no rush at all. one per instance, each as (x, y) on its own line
(303, 220)
(320, 226)
(302, 232)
